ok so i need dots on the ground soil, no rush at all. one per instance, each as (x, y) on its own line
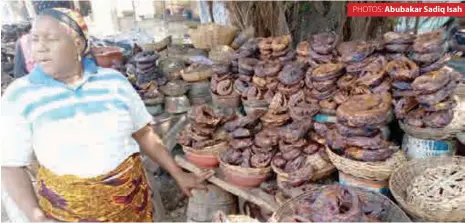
(173, 200)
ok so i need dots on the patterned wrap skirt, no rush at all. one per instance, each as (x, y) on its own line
(119, 196)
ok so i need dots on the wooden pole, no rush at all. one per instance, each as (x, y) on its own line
(255, 196)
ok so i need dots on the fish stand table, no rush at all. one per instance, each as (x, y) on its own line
(256, 195)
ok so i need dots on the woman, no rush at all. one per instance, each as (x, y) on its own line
(85, 125)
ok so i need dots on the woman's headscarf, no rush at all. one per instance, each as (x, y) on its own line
(41, 5)
(72, 19)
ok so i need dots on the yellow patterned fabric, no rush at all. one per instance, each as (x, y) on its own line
(119, 196)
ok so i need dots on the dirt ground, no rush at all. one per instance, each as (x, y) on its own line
(174, 201)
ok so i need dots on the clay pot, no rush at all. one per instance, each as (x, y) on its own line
(105, 55)
(202, 160)
(207, 157)
(244, 177)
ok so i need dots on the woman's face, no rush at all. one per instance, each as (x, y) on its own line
(54, 47)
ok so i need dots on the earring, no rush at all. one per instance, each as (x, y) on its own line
(79, 57)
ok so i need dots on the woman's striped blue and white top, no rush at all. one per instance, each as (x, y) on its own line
(83, 130)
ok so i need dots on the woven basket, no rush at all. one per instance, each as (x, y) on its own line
(322, 169)
(404, 175)
(201, 73)
(392, 214)
(457, 125)
(206, 36)
(377, 171)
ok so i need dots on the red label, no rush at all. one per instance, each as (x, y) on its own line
(406, 9)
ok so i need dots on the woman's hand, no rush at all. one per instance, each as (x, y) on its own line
(189, 181)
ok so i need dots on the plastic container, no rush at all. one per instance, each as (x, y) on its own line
(416, 148)
(322, 118)
(376, 186)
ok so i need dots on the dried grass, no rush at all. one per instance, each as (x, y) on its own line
(280, 18)
(268, 18)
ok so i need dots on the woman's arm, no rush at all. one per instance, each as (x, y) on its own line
(18, 183)
(153, 147)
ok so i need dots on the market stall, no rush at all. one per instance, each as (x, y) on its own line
(293, 117)
(294, 127)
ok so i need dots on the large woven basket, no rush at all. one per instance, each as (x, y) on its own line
(206, 36)
(403, 177)
(392, 212)
(377, 171)
(457, 125)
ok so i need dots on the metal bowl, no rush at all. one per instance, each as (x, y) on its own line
(176, 105)
(174, 88)
(155, 109)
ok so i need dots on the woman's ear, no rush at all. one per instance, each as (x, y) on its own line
(79, 43)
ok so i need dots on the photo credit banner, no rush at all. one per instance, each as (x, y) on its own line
(405, 9)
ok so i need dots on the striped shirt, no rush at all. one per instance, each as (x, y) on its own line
(84, 130)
